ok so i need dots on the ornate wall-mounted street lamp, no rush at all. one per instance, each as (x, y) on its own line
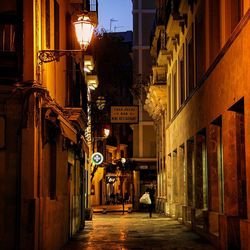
(106, 133)
(84, 28)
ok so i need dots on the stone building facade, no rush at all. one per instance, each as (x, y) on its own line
(199, 100)
(43, 152)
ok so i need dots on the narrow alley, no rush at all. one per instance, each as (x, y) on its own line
(135, 231)
(103, 102)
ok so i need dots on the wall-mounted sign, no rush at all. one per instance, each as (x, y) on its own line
(124, 114)
(97, 158)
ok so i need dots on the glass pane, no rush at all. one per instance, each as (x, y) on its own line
(7, 37)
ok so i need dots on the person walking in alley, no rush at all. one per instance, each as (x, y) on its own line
(151, 192)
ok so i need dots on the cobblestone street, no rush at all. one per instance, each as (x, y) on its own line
(135, 231)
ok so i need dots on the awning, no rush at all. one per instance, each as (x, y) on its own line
(67, 130)
(57, 117)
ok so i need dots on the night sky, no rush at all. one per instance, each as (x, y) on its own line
(119, 10)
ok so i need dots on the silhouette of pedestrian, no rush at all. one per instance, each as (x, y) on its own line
(151, 192)
(126, 197)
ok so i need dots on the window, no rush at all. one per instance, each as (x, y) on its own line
(190, 166)
(48, 23)
(215, 166)
(174, 92)
(182, 175)
(56, 25)
(200, 42)
(234, 12)
(190, 62)
(169, 98)
(200, 171)
(214, 29)
(181, 78)
(7, 37)
(239, 154)
(93, 5)
(175, 173)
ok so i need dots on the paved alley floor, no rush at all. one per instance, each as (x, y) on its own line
(135, 231)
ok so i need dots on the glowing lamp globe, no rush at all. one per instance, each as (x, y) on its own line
(106, 132)
(84, 30)
(123, 160)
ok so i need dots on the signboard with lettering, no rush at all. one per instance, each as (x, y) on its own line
(124, 114)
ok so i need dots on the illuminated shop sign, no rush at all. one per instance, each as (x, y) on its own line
(97, 158)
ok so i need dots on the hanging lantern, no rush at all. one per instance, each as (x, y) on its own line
(84, 30)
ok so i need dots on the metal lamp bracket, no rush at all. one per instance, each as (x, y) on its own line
(46, 56)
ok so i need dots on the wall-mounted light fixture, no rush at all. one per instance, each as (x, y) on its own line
(123, 160)
(88, 63)
(92, 81)
(106, 133)
(84, 30)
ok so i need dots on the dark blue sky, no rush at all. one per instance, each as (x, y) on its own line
(120, 11)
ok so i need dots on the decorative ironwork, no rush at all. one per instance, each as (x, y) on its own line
(46, 56)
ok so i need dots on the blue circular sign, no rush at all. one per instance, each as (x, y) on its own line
(97, 158)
